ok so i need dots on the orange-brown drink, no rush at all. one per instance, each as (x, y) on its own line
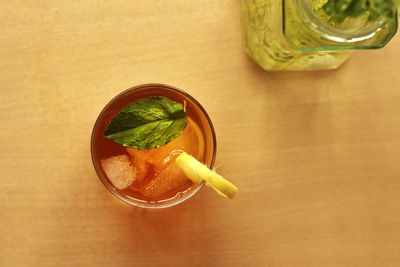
(153, 146)
(141, 171)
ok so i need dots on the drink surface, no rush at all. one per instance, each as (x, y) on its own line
(149, 175)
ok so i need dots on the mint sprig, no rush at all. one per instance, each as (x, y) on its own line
(147, 123)
(339, 10)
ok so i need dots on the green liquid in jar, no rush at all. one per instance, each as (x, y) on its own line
(265, 41)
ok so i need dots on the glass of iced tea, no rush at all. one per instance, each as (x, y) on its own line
(150, 178)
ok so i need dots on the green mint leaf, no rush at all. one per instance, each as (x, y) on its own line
(357, 8)
(329, 7)
(339, 10)
(342, 5)
(147, 123)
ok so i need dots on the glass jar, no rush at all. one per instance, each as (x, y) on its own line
(297, 35)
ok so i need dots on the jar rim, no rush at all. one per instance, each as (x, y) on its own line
(335, 34)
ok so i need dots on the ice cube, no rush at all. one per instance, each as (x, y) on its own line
(155, 159)
(170, 178)
(140, 161)
(119, 170)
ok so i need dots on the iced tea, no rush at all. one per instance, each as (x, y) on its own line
(150, 177)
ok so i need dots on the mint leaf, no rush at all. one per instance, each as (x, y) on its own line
(339, 10)
(147, 123)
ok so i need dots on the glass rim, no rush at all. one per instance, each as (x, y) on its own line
(138, 202)
(334, 34)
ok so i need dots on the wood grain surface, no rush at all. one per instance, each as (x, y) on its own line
(316, 155)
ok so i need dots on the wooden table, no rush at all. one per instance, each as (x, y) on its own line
(316, 155)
